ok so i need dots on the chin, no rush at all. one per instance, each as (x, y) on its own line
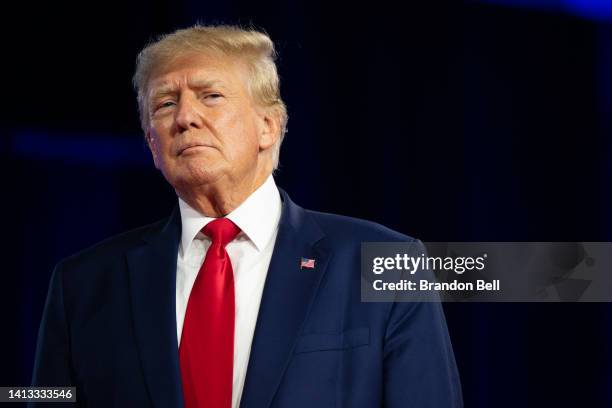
(194, 174)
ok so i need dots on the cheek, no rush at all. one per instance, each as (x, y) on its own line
(154, 142)
(246, 145)
(159, 149)
(244, 134)
(159, 132)
(234, 136)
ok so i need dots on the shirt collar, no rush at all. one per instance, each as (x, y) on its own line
(257, 217)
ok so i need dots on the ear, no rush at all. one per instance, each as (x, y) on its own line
(269, 128)
(151, 145)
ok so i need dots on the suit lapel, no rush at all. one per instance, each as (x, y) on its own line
(286, 299)
(152, 271)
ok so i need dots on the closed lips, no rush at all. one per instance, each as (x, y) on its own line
(182, 149)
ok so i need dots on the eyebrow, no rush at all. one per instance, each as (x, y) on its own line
(167, 88)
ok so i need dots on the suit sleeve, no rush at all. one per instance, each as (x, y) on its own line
(52, 366)
(419, 364)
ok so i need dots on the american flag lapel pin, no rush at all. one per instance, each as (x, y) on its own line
(307, 263)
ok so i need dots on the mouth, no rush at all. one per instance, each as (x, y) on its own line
(189, 149)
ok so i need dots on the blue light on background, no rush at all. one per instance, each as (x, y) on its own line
(598, 10)
(81, 149)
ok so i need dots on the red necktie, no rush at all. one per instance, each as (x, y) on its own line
(207, 342)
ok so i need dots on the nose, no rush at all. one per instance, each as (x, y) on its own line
(188, 115)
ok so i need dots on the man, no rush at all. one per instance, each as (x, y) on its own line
(241, 297)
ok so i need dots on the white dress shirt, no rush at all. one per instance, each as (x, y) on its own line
(250, 254)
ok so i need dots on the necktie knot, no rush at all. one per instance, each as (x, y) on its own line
(221, 231)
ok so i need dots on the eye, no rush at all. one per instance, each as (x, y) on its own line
(212, 97)
(164, 105)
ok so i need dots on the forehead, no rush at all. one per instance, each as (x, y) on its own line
(198, 70)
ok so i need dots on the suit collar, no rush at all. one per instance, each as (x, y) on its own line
(295, 217)
(287, 296)
(152, 274)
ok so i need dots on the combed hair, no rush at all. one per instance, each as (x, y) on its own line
(253, 47)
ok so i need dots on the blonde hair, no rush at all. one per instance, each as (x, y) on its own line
(255, 48)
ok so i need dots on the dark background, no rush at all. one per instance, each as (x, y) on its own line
(443, 120)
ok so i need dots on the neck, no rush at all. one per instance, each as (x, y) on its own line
(223, 196)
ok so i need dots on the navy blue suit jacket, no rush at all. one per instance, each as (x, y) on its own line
(109, 325)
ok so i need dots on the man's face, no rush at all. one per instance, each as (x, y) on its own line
(204, 125)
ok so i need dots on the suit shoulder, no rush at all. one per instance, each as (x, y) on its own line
(350, 228)
(112, 247)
